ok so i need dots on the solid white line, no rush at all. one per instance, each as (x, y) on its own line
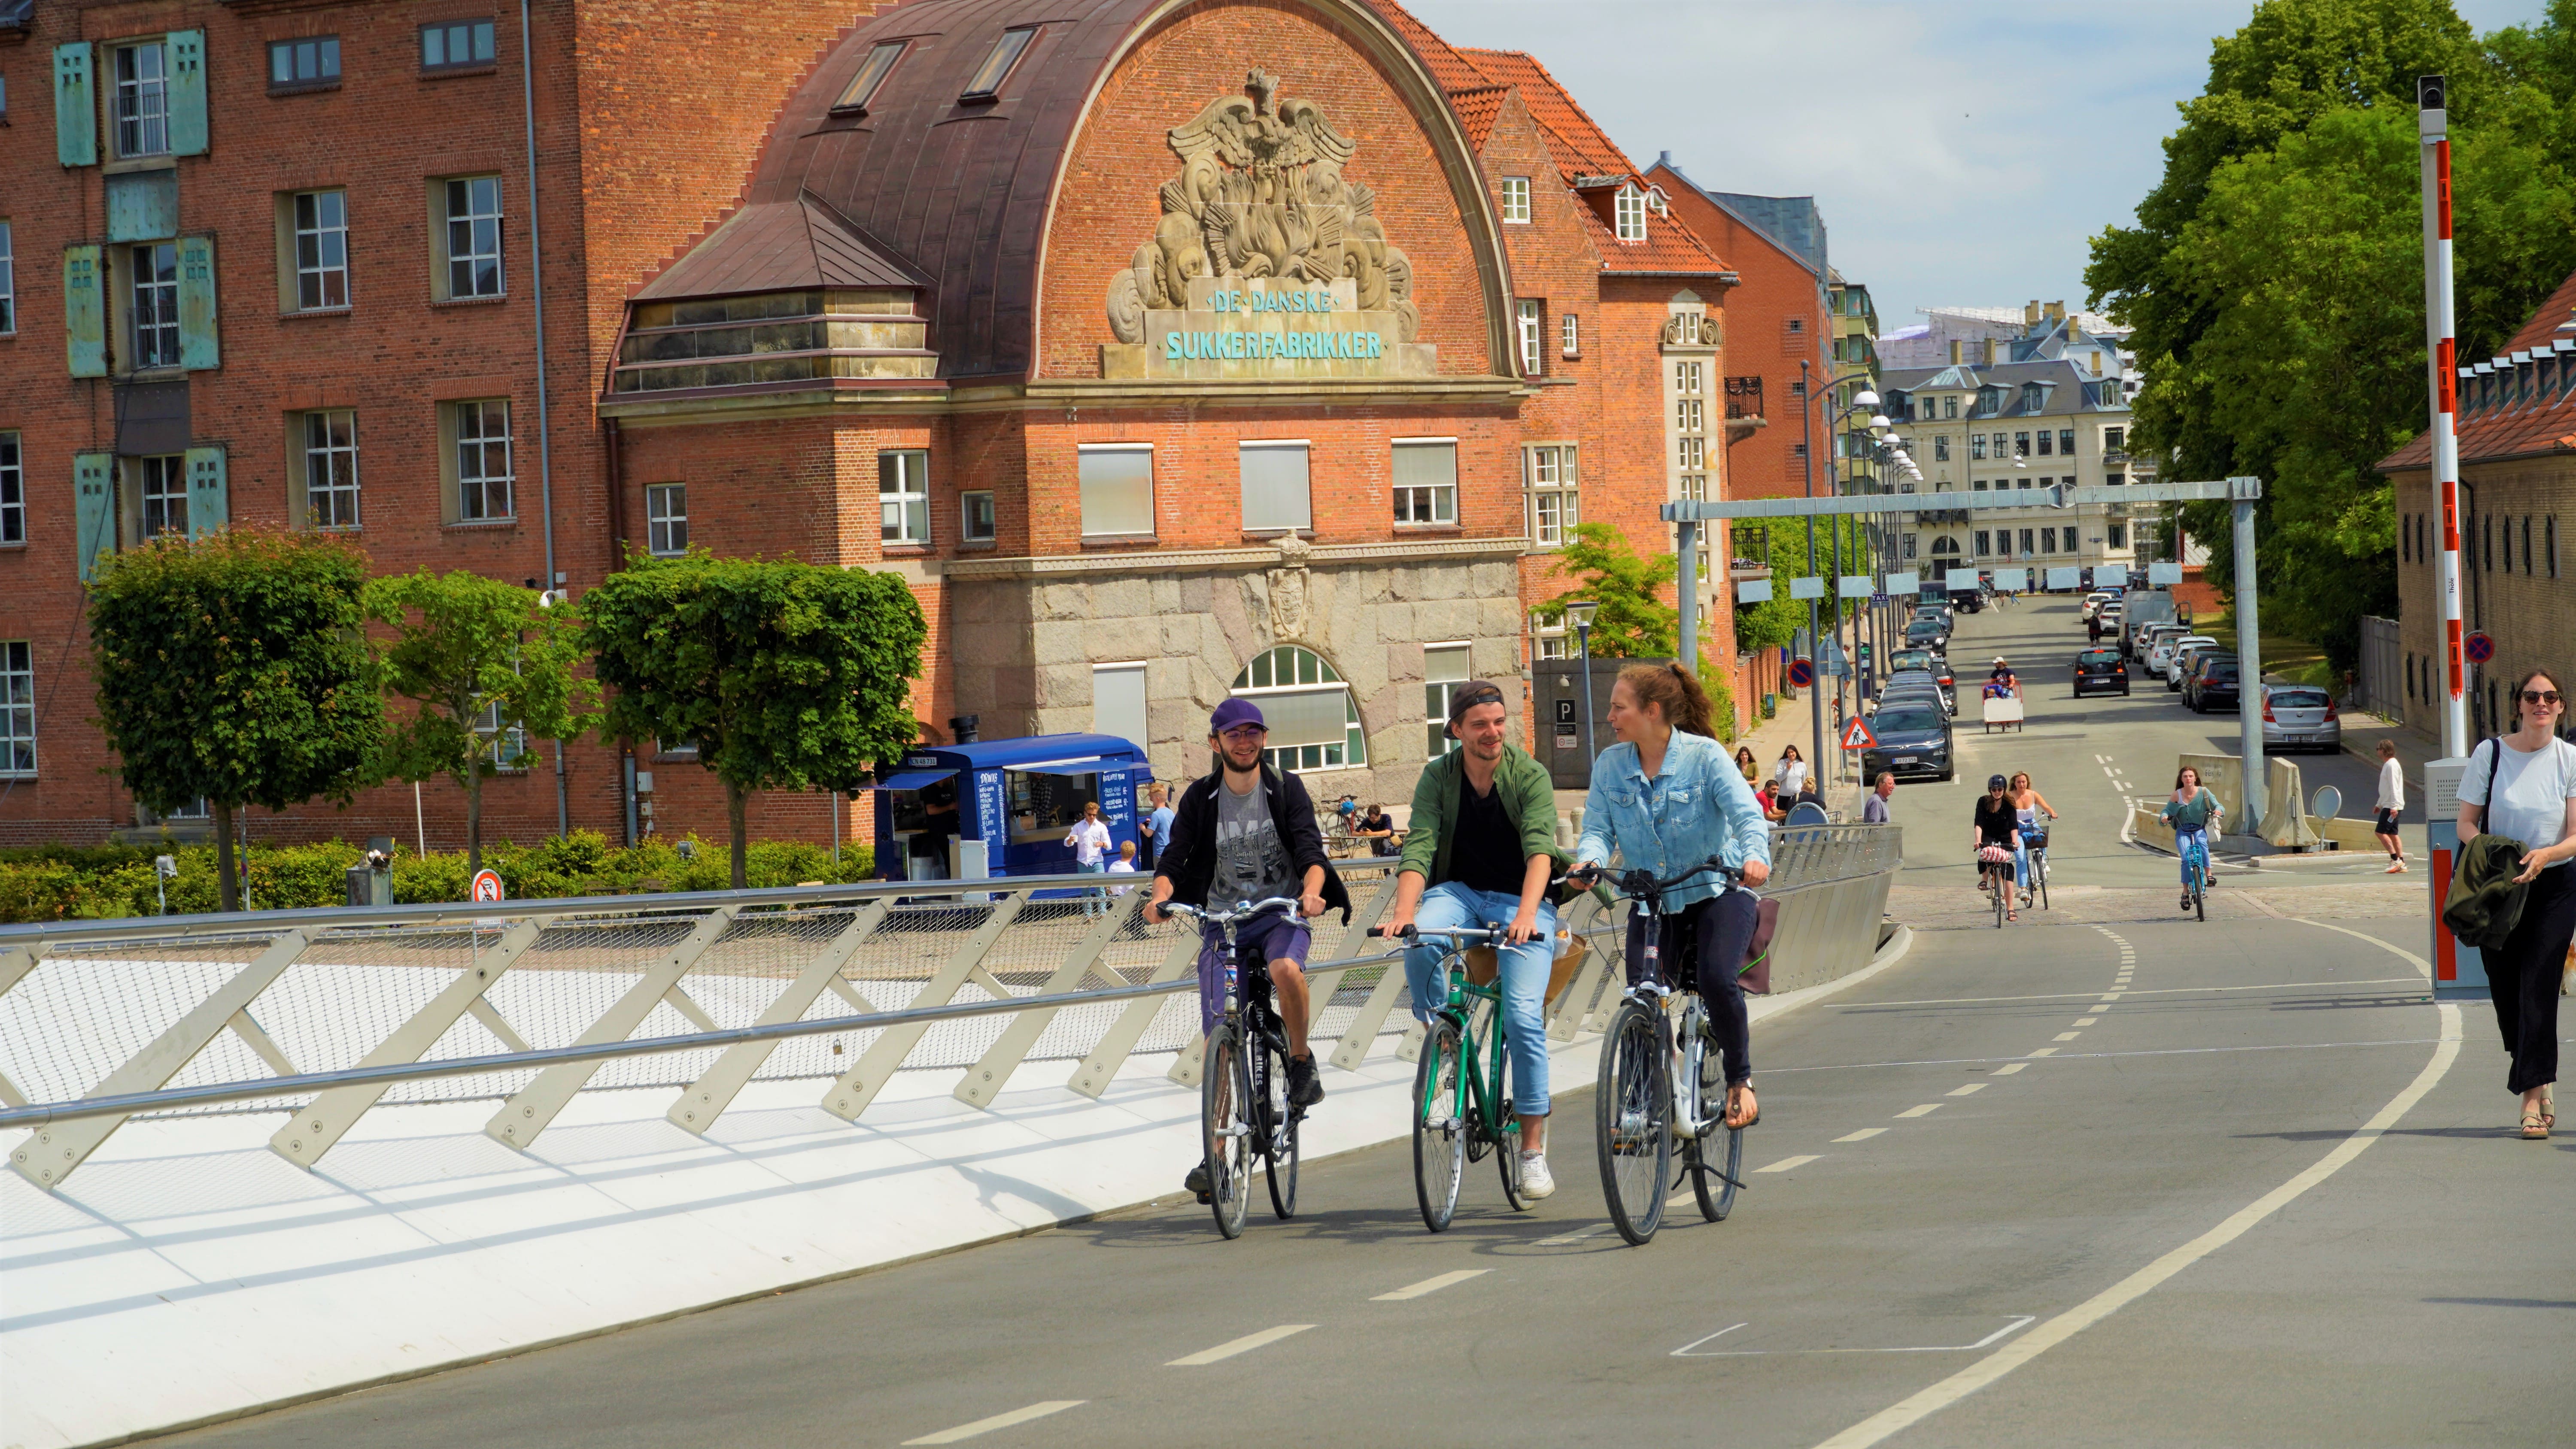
(1245, 1344)
(1879, 1426)
(1787, 1163)
(1431, 1285)
(1863, 1135)
(998, 1421)
(1969, 1090)
(1684, 1350)
(1926, 1110)
(2422, 966)
(2157, 991)
(2008, 1071)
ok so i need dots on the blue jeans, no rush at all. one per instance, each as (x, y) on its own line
(1092, 903)
(2188, 843)
(1524, 979)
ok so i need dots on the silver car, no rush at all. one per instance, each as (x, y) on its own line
(2300, 717)
(2171, 657)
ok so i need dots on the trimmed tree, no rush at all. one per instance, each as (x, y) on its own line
(234, 668)
(782, 675)
(488, 666)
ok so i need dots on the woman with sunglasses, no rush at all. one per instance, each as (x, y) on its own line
(2522, 786)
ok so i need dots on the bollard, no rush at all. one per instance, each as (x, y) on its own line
(2458, 970)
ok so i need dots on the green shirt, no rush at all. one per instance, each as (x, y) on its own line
(1528, 799)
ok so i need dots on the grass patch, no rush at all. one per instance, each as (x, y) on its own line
(2294, 660)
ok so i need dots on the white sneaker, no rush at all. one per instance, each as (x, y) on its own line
(1536, 1181)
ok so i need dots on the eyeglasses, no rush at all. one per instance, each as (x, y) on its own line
(1248, 731)
(2540, 696)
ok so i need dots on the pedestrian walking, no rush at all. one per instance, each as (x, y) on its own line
(1792, 774)
(2392, 802)
(2522, 786)
(1158, 824)
(1751, 767)
(1873, 811)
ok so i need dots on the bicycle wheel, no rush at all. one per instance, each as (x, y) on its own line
(2039, 877)
(1714, 1176)
(1439, 1126)
(1224, 1090)
(1507, 1145)
(2199, 891)
(1633, 1121)
(1280, 1170)
(2003, 896)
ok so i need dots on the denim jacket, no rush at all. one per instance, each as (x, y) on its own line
(1697, 806)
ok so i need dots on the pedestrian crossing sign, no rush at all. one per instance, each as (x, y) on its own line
(1856, 735)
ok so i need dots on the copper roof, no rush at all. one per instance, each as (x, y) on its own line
(781, 246)
(2513, 430)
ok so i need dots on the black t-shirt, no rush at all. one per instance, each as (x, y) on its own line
(1374, 822)
(1484, 846)
(1997, 820)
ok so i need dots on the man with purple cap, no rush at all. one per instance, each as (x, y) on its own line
(1247, 832)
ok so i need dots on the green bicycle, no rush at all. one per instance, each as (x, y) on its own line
(1459, 1110)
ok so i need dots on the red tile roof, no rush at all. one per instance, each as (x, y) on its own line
(2513, 430)
(1582, 148)
(1478, 107)
(2543, 327)
(1453, 70)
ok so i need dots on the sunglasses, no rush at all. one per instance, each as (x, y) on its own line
(2540, 696)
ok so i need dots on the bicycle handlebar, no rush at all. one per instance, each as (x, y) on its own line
(1455, 933)
(1637, 884)
(1243, 911)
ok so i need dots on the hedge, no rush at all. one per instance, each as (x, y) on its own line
(102, 882)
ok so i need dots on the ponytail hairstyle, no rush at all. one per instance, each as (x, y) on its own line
(1670, 688)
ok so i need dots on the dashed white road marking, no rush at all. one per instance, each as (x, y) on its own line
(1970, 1090)
(2045, 1052)
(1863, 1135)
(2087, 1020)
(2008, 1071)
(998, 1421)
(1431, 1285)
(1561, 1239)
(2066, 1036)
(1926, 1110)
(1786, 1164)
(1245, 1344)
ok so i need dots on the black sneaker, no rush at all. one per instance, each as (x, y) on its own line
(1304, 1088)
(1197, 1182)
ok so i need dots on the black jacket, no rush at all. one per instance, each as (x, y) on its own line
(1189, 857)
(2484, 904)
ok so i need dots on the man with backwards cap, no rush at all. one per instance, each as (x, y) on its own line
(1482, 847)
(1245, 832)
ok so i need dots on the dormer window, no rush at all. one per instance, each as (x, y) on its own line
(863, 86)
(996, 68)
(1629, 212)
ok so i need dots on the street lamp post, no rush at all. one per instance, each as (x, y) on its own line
(1580, 612)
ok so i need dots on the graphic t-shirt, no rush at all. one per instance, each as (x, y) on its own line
(1252, 862)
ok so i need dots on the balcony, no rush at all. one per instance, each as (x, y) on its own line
(1743, 398)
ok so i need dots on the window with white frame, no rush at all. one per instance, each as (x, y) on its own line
(8, 283)
(975, 516)
(1569, 336)
(1911, 542)
(321, 250)
(1426, 480)
(1690, 415)
(1554, 504)
(1313, 719)
(1533, 329)
(903, 495)
(1117, 485)
(1629, 214)
(666, 519)
(161, 493)
(17, 708)
(331, 468)
(483, 465)
(1689, 378)
(142, 100)
(1549, 639)
(155, 304)
(471, 237)
(1694, 454)
(1275, 491)
(1444, 668)
(509, 745)
(13, 492)
(1516, 199)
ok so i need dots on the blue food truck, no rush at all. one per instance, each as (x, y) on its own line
(1002, 807)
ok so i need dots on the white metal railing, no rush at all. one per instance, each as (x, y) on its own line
(326, 1014)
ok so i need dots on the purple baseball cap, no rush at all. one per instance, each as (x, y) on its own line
(1235, 712)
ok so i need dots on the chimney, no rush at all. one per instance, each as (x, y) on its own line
(965, 729)
(2030, 313)
(1954, 352)
(2056, 311)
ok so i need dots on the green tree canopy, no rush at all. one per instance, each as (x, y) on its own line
(782, 675)
(489, 668)
(1634, 621)
(235, 668)
(1782, 542)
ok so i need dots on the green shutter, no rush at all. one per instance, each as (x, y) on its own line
(94, 490)
(198, 348)
(209, 501)
(187, 92)
(84, 312)
(75, 106)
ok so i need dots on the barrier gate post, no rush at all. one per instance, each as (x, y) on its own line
(2459, 969)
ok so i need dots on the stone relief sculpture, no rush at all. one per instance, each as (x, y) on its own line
(1288, 621)
(1261, 194)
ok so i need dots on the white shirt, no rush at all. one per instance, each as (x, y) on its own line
(1090, 841)
(1121, 866)
(2532, 788)
(1793, 775)
(2392, 786)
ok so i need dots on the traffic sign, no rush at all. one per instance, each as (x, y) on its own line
(1802, 672)
(1857, 736)
(487, 886)
(2480, 647)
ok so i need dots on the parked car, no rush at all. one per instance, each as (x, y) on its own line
(1966, 602)
(2172, 655)
(2144, 638)
(2110, 614)
(1919, 681)
(1913, 742)
(2213, 682)
(2300, 717)
(2095, 600)
(2100, 671)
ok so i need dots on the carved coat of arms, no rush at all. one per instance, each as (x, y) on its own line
(1261, 194)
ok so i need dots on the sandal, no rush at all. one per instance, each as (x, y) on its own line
(2548, 1108)
(2535, 1128)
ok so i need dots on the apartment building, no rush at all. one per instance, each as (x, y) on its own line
(2018, 427)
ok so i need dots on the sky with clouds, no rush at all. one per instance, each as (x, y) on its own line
(1962, 151)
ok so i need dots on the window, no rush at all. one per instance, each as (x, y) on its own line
(1743, 397)
(483, 475)
(903, 495)
(1977, 485)
(1945, 547)
(2025, 543)
(1117, 490)
(2066, 442)
(1797, 326)
(2048, 540)
(161, 495)
(666, 519)
(1444, 668)
(17, 708)
(2116, 535)
(156, 305)
(143, 99)
(1554, 509)
(1977, 447)
(1629, 214)
(1569, 336)
(1532, 329)
(2114, 479)
(331, 469)
(471, 239)
(2021, 444)
(1314, 722)
(1689, 379)
(2507, 550)
(2021, 482)
(2045, 443)
(1694, 454)
(1940, 447)
(13, 492)
(975, 518)
(456, 45)
(509, 746)
(1426, 480)
(1950, 407)
(1275, 498)
(2551, 529)
(997, 66)
(1985, 543)
(2406, 538)
(872, 73)
(1690, 415)
(2526, 545)
(322, 250)
(1910, 541)
(1550, 640)
(8, 283)
(1516, 199)
(310, 64)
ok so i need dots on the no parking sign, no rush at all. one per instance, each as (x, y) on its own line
(1802, 672)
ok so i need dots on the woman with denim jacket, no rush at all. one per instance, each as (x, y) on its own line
(1665, 798)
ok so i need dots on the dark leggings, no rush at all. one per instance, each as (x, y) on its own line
(1709, 938)
(2523, 974)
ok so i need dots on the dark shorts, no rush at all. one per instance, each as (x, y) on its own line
(1272, 938)
(2386, 822)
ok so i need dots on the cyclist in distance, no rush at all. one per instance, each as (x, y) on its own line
(2191, 812)
(1482, 848)
(1666, 798)
(1998, 828)
(2028, 806)
(1246, 832)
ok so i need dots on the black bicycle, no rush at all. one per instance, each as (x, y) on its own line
(1636, 1122)
(1244, 1111)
